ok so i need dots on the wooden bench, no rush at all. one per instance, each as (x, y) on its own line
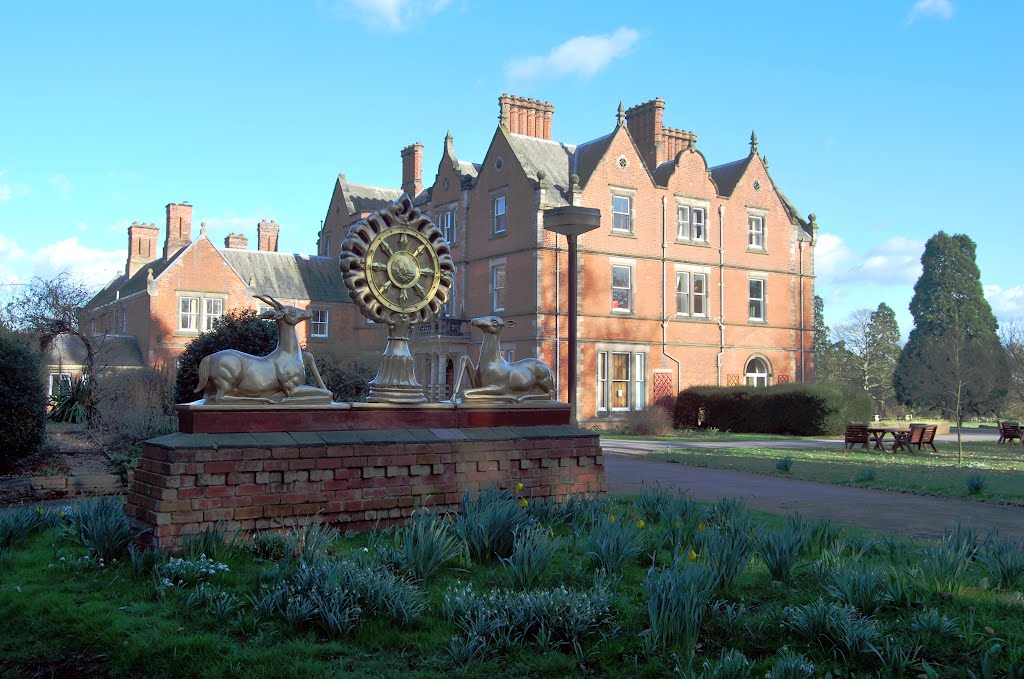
(1008, 431)
(856, 432)
(921, 435)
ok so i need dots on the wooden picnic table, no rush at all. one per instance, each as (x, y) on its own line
(899, 435)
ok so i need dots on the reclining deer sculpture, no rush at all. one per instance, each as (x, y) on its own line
(494, 378)
(234, 377)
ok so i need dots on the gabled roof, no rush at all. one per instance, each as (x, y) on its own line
(122, 286)
(112, 351)
(727, 176)
(288, 276)
(544, 155)
(588, 155)
(366, 198)
(468, 169)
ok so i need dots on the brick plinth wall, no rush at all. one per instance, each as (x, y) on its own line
(355, 479)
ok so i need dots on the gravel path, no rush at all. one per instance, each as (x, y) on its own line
(911, 515)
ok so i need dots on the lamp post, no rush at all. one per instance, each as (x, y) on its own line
(572, 221)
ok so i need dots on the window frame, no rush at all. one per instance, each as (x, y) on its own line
(748, 375)
(628, 309)
(628, 213)
(758, 234)
(497, 265)
(761, 301)
(495, 201)
(634, 384)
(60, 379)
(687, 233)
(207, 317)
(315, 321)
(194, 315)
(683, 276)
(703, 295)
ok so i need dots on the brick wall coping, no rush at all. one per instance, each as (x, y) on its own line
(202, 419)
(307, 439)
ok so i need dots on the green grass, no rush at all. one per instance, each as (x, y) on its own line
(922, 472)
(58, 621)
(703, 435)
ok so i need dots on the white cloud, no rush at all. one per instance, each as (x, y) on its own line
(16, 190)
(1006, 302)
(63, 185)
(10, 256)
(895, 261)
(924, 9)
(391, 15)
(90, 265)
(583, 55)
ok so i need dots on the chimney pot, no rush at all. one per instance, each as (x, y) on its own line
(266, 235)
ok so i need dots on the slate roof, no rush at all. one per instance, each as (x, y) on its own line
(122, 286)
(728, 175)
(289, 276)
(468, 169)
(587, 156)
(551, 157)
(366, 198)
(121, 351)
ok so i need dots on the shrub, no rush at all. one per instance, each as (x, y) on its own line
(790, 665)
(18, 525)
(102, 527)
(532, 554)
(428, 544)
(72, 403)
(800, 409)
(22, 399)
(488, 523)
(345, 370)
(132, 406)
(677, 601)
(975, 483)
(780, 551)
(785, 464)
(650, 421)
(614, 544)
(866, 474)
(239, 329)
(1003, 561)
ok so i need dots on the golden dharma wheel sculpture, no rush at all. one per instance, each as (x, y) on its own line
(398, 269)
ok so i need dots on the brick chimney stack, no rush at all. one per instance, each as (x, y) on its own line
(412, 169)
(141, 246)
(266, 234)
(236, 241)
(530, 117)
(656, 142)
(179, 228)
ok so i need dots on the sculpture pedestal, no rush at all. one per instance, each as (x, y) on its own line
(351, 473)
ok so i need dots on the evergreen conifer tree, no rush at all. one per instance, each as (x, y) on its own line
(953, 361)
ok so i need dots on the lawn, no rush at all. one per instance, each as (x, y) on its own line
(648, 586)
(997, 469)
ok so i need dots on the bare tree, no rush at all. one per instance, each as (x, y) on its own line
(47, 308)
(872, 337)
(1011, 335)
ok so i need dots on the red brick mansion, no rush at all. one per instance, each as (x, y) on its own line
(697, 275)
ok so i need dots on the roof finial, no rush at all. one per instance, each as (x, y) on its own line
(753, 141)
(690, 145)
(202, 228)
(764, 159)
(448, 137)
(621, 115)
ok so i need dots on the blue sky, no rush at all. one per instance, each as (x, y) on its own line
(888, 119)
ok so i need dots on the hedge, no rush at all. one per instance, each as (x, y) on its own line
(796, 409)
(22, 399)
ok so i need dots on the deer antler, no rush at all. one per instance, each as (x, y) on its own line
(269, 300)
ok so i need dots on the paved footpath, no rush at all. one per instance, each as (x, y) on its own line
(911, 515)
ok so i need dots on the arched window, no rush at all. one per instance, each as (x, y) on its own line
(757, 372)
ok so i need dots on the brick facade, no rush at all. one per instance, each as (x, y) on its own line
(659, 170)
